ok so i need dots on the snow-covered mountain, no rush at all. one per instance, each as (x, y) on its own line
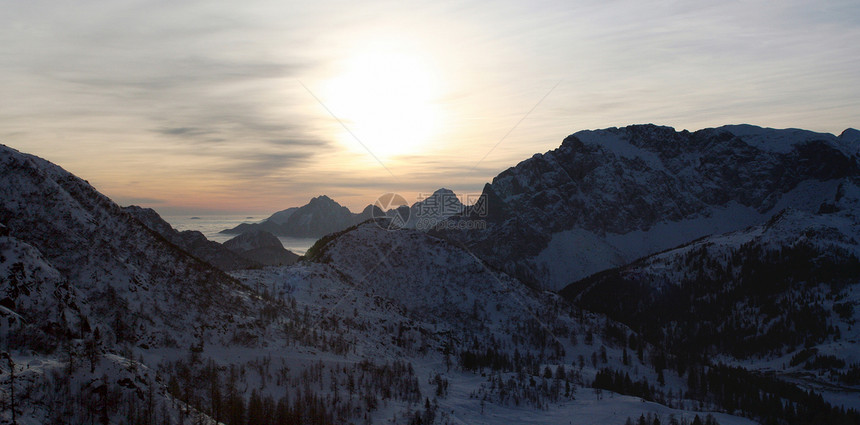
(84, 282)
(607, 197)
(118, 266)
(321, 216)
(493, 349)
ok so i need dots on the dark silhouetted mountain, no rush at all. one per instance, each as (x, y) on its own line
(425, 213)
(319, 217)
(261, 247)
(322, 216)
(370, 211)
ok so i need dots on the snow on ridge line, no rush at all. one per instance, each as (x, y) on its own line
(776, 140)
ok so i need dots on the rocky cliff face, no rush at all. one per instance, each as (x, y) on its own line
(606, 197)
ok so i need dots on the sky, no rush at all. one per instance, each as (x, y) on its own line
(205, 107)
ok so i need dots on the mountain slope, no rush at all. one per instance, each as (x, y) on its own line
(755, 291)
(193, 242)
(780, 297)
(404, 293)
(118, 265)
(606, 197)
(37, 305)
(436, 301)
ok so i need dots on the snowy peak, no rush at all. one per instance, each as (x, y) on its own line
(323, 199)
(432, 209)
(443, 197)
(660, 139)
(320, 203)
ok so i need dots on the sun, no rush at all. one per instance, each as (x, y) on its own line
(386, 100)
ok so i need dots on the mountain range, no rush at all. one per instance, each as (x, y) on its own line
(633, 274)
(322, 215)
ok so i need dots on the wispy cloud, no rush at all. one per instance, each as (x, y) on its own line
(183, 131)
(204, 92)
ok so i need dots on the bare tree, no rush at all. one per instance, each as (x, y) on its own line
(8, 358)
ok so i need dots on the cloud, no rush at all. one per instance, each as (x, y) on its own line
(257, 165)
(209, 89)
(183, 131)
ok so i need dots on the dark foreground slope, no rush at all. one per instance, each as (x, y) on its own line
(119, 266)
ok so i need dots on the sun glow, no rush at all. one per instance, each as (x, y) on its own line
(387, 100)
